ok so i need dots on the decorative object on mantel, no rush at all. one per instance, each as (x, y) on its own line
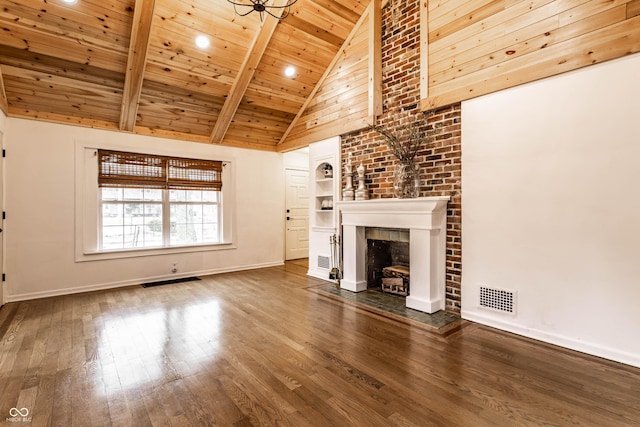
(361, 192)
(261, 6)
(348, 193)
(406, 179)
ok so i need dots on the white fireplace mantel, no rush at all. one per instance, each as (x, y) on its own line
(426, 219)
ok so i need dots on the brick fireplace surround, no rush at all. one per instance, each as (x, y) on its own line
(440, 160)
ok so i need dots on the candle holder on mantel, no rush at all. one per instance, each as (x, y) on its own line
(348, 193)
(361, 192)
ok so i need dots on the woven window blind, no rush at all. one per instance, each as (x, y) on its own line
(193, 173)
(133, 170)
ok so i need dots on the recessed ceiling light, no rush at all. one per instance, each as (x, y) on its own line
(290, 71)
(70, 1)
(202, 41)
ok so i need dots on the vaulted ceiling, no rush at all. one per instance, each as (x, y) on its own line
(133, 66)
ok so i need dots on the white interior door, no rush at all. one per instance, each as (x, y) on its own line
(297, 214)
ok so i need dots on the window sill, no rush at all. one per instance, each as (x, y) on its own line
(145, 252)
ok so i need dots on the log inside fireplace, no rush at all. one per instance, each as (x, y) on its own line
(395, 280)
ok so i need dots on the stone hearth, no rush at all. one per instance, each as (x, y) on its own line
(426, 220)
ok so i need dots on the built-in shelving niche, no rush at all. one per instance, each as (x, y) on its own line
(324, 195)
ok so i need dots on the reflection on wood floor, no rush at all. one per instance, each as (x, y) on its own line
(258, 348)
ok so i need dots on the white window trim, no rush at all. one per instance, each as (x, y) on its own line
(87, 203)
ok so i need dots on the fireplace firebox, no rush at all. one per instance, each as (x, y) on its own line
(388, 260)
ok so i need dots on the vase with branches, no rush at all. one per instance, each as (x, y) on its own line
(405, 143)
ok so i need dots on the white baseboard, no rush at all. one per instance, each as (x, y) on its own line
(319, 274)
(555, 339)
(133, 282)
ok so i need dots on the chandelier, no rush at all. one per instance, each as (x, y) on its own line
(261, 6)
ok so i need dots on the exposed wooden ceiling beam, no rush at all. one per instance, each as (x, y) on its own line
(4, 104)
(138, 47)
(328, 71)
(248, 68)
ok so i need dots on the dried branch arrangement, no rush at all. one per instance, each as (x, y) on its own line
(405, 146)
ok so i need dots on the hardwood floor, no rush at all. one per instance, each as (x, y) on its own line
(258, 348)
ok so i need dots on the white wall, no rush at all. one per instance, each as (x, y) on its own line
(296, 159)
(40, 178)
(551, 208)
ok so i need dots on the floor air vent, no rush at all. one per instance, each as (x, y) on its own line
(498, 299)
(323, 262)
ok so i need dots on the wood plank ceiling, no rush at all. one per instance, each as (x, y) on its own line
(132, 65)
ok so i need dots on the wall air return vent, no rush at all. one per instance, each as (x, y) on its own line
(323, 262)
(501, 300)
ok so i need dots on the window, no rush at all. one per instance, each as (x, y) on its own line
(149, 201)
(131, 218)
